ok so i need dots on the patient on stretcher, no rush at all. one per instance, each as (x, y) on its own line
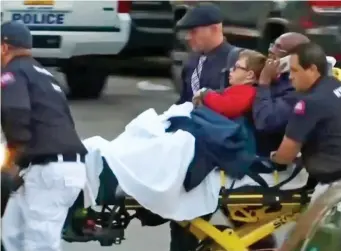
(236, 100)
(151, 163)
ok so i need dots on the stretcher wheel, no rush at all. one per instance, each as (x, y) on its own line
(324, 231)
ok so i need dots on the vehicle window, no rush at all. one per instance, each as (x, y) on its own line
(246, 13)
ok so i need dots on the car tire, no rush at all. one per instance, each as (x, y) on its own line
(85, 82)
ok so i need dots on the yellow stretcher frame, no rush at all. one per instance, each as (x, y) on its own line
(258, 223)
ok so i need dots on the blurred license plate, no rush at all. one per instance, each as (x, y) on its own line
(46, 41)
(39, 2)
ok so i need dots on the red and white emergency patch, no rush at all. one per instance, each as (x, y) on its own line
(7, 78)
(300, 108)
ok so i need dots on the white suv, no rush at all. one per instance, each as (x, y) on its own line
(76, 35)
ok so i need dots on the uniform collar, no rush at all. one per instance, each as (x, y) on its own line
(318, 83)
(17, 58)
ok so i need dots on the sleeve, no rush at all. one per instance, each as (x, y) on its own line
(270, 113)
(15, 108)
(233, 102)
(182, 98)
(305, 116)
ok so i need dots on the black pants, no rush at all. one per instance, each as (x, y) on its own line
(182, 239)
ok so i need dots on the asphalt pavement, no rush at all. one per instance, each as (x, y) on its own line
(123, 100)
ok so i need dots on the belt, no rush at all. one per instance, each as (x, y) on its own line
(45, 159)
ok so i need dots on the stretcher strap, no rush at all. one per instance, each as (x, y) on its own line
(296, 171)
(268, 167)
(258, 178)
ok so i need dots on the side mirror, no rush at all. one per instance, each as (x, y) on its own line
(179, 12)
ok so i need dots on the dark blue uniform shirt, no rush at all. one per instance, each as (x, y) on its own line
(316, 124)
(212, 75)
(35, 112)
(271, 111)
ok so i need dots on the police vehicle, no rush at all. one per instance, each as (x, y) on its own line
(79, 36)
(256, 24)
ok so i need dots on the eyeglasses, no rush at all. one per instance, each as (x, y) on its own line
(276, 47)
(235, 67)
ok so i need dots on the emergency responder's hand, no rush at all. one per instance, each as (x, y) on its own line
(270, 72)
(199, 97)
(197, 101)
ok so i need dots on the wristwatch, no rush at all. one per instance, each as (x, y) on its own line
(202, 90)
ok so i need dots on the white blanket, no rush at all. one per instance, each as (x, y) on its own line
(151, 165)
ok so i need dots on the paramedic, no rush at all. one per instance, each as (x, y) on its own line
(207, 64)
(314, 128)
(275, 95)
(41, 135)
(205, 68)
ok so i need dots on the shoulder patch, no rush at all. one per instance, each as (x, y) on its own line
(7, 78)
(300, 108)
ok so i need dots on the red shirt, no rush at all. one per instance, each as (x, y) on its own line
(234, 102)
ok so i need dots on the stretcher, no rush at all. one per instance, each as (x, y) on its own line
(252, 213)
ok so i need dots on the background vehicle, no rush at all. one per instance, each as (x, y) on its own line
(79, 36)
(256, 24)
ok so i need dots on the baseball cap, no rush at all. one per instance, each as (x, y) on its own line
(203, 14)
(17, 34)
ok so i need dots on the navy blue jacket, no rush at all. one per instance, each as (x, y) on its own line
(271, 110)
(219, 142)
(211, 76)
(35, 112)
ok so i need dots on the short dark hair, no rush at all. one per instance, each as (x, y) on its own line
(311, 54)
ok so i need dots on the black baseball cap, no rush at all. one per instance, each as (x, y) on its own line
(17, 34)
(203, 14)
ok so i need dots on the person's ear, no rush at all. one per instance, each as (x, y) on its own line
(313, 68)
(215, 28)
(4, 48)
(251, 75)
